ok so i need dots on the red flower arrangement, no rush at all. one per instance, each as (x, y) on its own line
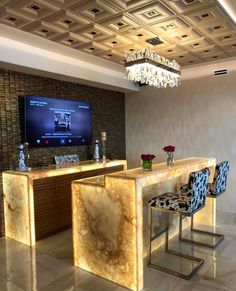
(169, 148)
(147, 157)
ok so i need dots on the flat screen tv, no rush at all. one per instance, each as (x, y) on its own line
(51, 122)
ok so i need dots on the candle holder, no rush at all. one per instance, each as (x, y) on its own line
(103, 139)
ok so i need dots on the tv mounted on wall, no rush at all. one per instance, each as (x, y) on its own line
(50, 122)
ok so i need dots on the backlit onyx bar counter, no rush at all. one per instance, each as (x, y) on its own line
(110, 231)
(38, 203)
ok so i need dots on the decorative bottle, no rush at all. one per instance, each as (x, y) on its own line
(96, 156)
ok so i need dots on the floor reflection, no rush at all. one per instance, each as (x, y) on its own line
(49, 267)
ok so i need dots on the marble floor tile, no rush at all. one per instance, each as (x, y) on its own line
(6, 285)
(155, 280)
(200, 286)
(222, 273)
(48, 267)
(230, 251)
(81, 280)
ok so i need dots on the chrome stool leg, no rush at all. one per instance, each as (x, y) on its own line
(198, 243)
(199, 261)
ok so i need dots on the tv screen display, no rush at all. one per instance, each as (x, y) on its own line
(56, 122)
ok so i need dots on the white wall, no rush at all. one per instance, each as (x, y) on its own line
(199, 118)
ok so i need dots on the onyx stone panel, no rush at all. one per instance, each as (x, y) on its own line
(108, 109)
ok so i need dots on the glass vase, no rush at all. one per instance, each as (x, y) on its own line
(147, 165)
(170, 158)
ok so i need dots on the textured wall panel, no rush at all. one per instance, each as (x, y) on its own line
(108, 115)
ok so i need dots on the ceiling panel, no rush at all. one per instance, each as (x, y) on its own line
(190, 31)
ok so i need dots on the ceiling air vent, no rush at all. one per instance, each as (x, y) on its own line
(221, 72)
(154, 41)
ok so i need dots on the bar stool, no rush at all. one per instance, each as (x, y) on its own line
(185, 204)
(215, 189)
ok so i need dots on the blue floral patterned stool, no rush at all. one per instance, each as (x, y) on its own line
(214, 190)
(185, 204)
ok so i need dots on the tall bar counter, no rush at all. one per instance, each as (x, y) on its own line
(110, 218)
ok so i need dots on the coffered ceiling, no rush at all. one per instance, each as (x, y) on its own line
(190, 31)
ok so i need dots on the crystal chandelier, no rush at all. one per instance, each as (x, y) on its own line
(147, 67)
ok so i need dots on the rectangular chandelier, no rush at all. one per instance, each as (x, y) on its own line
(147, 67)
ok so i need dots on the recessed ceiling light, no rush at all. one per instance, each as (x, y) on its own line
(151, 13)
(120, 24)
(205, 15)
(12, 18)
(67, 21)
(95, 10)
(35, 7)
(187, 2)
(170, 26)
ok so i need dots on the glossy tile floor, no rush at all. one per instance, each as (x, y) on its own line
(48, 267)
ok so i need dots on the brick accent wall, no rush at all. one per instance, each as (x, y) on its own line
(108, 115)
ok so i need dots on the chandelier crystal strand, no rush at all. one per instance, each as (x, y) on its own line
(149, 68)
